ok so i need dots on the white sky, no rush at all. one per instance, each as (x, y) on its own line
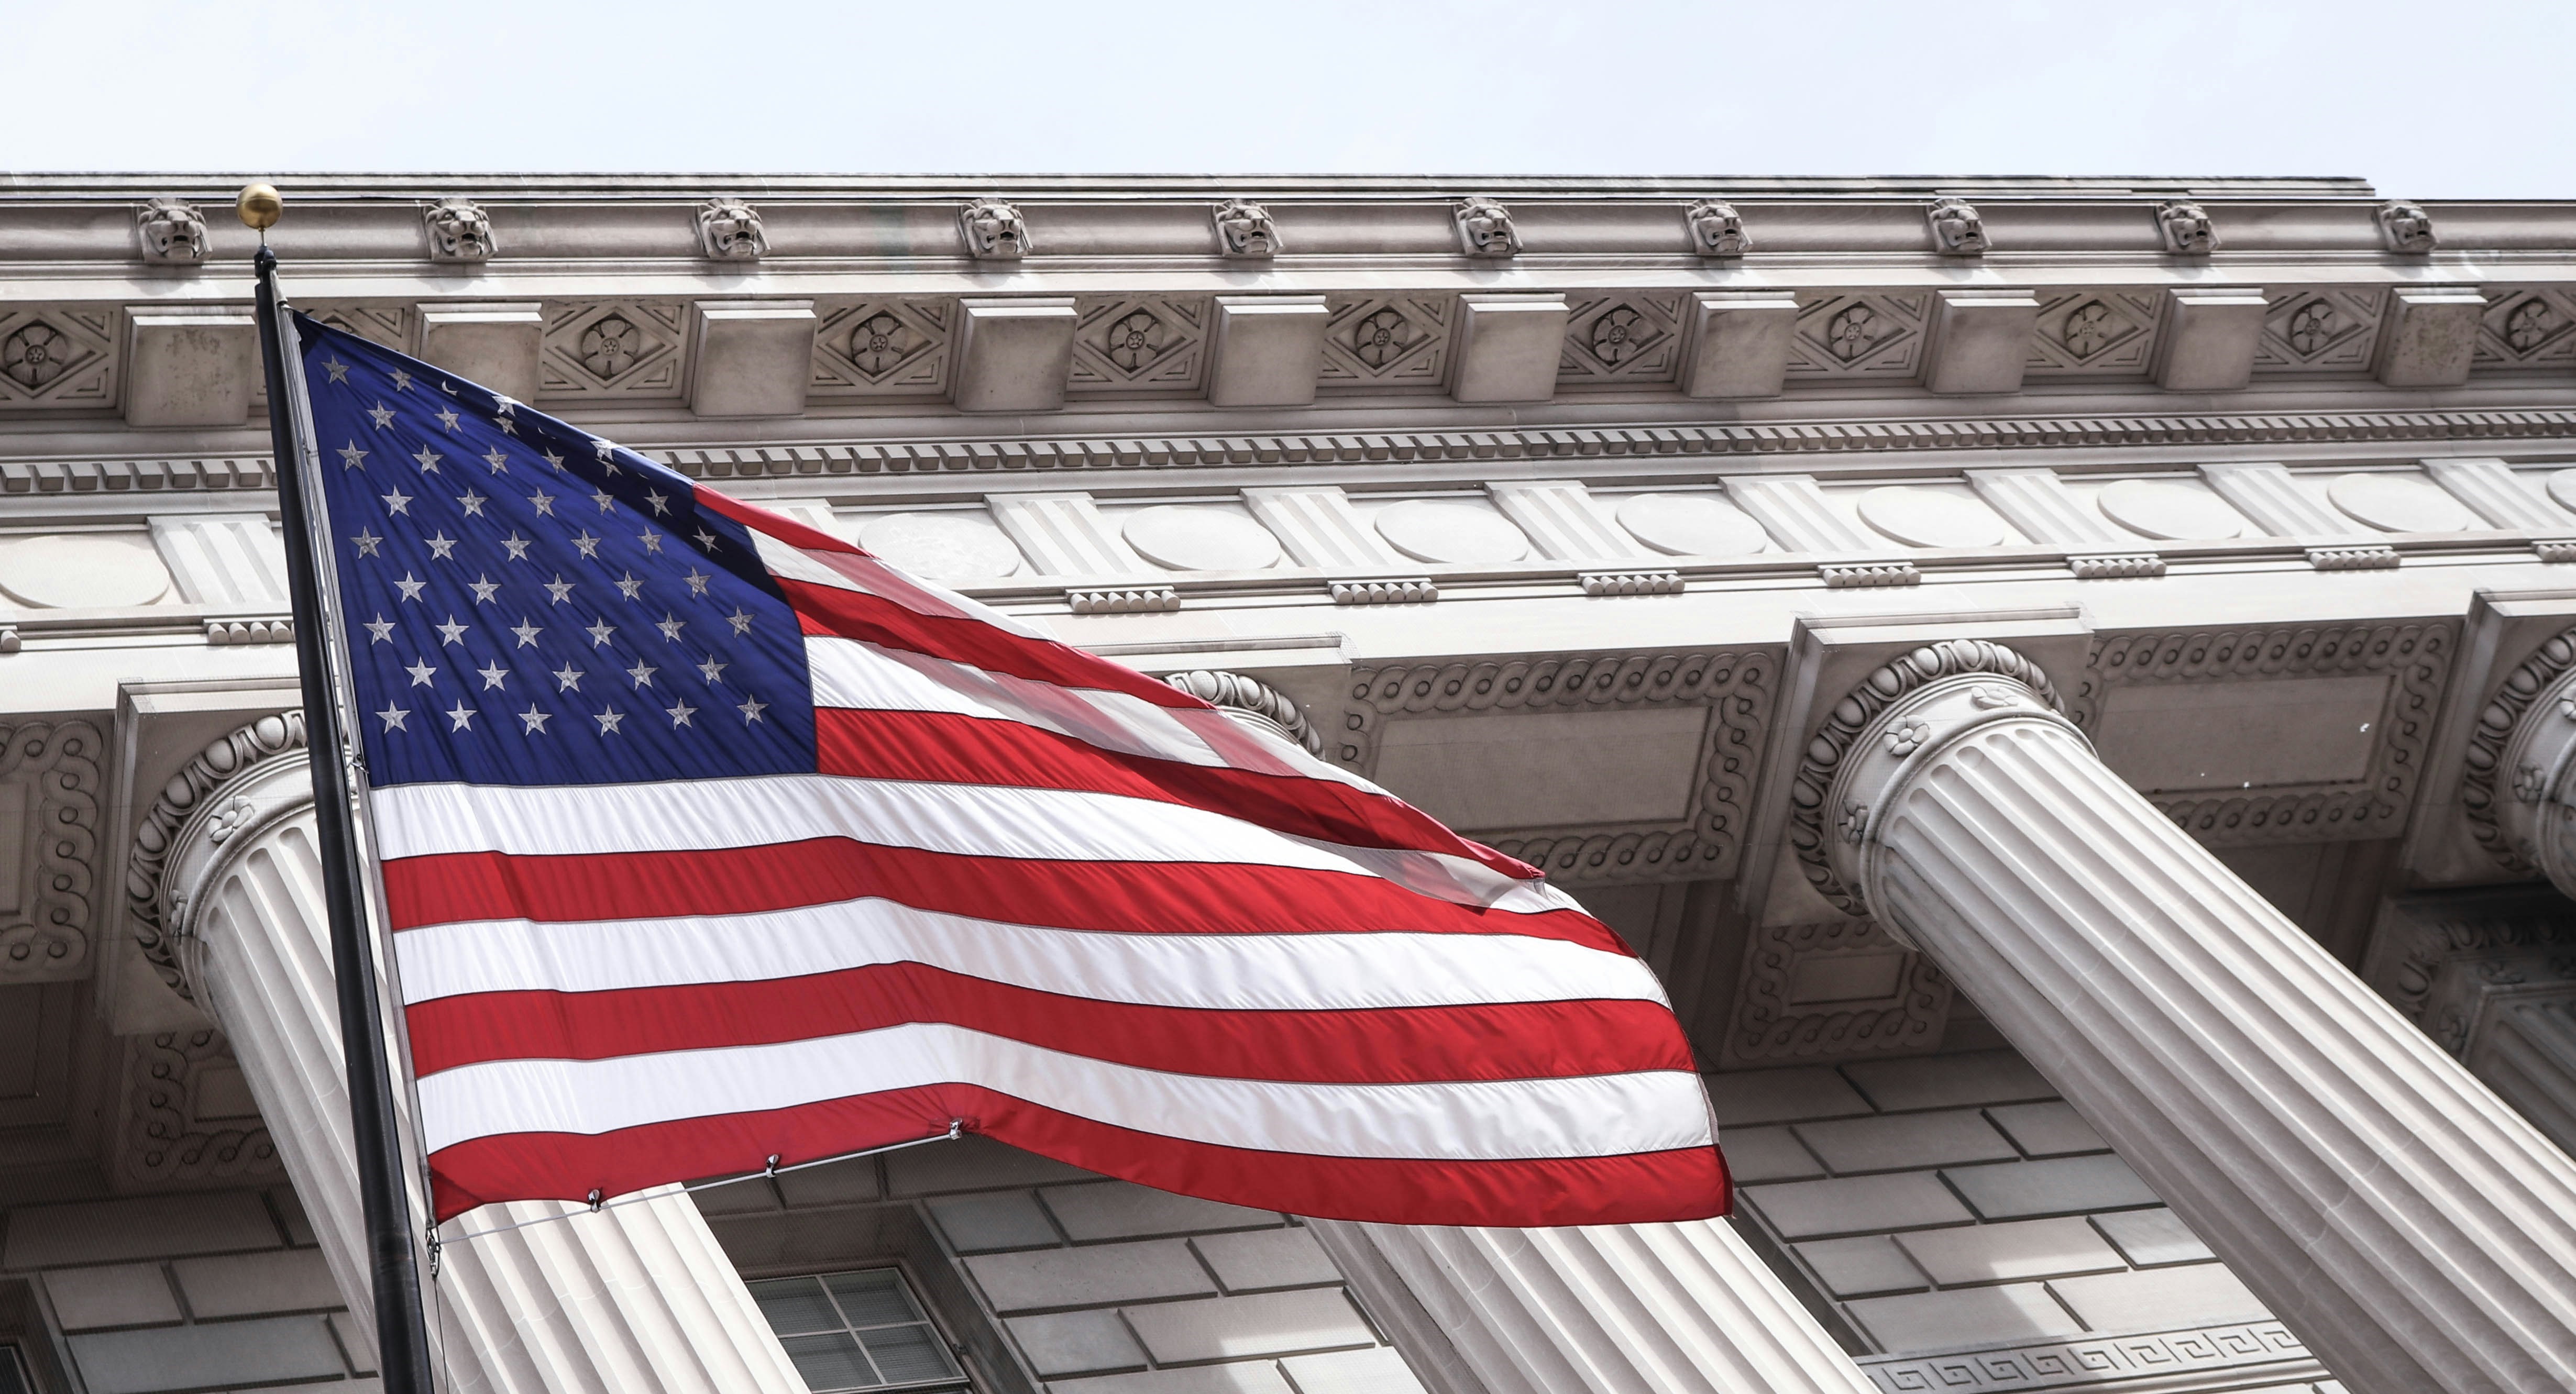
(2446, 98)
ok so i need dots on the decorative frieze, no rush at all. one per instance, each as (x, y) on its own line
(2527, 327)
(49, 771)
(190, 1119)
(2413, 661)
(1869, 336)
(1622, 338)
(2094, 333)
(1839, 990)
(2319, 330)
(881, 348)
(1140, 344)
(2263, 1350)
(622, 350)
(58, 356)
(1387, 341)
(1735, 688)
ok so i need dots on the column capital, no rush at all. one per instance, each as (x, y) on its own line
(1891, 724)
(1252, 703)
(2519, 785)
(210, 810)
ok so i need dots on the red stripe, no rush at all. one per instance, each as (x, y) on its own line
(1509, 1040)
(948, 747)
(1684, 1184)
(964, 639)
(777, 525)
(1146, 897)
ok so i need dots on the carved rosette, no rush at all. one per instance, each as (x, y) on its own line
(729, 230)
(48, 941)
(2405, 228)
(172, 232)
(1255, 704)
(1899, 718)
(1716, 229)
(1957, 231)
(994, 230)
(2186, 228)
(205, 806)
(1485, 228)
(1244, 229)
(459, 231)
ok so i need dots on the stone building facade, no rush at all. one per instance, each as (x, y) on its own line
(2072, 685)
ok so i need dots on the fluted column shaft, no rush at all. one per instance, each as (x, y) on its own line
(2413, 1230)
(637, 1299)
(2527, 1054)
(1681, 1308)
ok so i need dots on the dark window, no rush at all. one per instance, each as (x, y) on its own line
(13, 1375)
(856, 1330)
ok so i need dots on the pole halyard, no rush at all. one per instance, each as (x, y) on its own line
(401, 1334)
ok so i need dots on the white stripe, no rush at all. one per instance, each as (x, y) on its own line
(981, 820)
(857, 676)
(1483, 1120)
(1254, 972)
(791, 562)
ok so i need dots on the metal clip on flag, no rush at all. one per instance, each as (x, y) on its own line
(708, 838)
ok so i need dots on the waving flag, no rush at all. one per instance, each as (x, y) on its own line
(709, 838)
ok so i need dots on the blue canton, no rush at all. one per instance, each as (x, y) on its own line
(529, 604)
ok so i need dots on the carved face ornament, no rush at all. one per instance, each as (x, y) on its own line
(459, 230)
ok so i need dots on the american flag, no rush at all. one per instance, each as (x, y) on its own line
(708, 838)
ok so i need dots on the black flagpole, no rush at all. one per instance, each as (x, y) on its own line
(402, 1339)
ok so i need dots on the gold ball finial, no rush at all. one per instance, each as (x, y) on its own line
(259, 206)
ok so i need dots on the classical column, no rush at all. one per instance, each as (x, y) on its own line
(1611, 1309)
(2520, 786)
(2414, 1231)
(226, 884)
(2527, 1054)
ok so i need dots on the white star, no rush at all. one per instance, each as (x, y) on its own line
(713, 670)
(705, 539)
(402, 381)
(473, 503)
(588, 544)
(463, 716)
(394, 716)
(608, 719)
(508, 426)
(410, 588)
(447, 415)
(671, 626)
(557, 589)
(494, 675)
(740, 619)
(440, 544)
(553, 459)
(606, 451)
(338, 370)
(536, 720)
(604, 499)
(567, 678)
(543, 502)
(484, 588)
(380, 630)
(421, 670)
(680, 714)
(396, 502)
(599, 634)
(518, 546)
(428, 460)
(751, 710)
(661, 504)
(698, 581)
(368, 543)
(652, 540)
(502, 405)
(384, 415)
(451, 632)
(350, 455)
(527, 632)
(629, 584)
(642, 673)
(499, 462)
